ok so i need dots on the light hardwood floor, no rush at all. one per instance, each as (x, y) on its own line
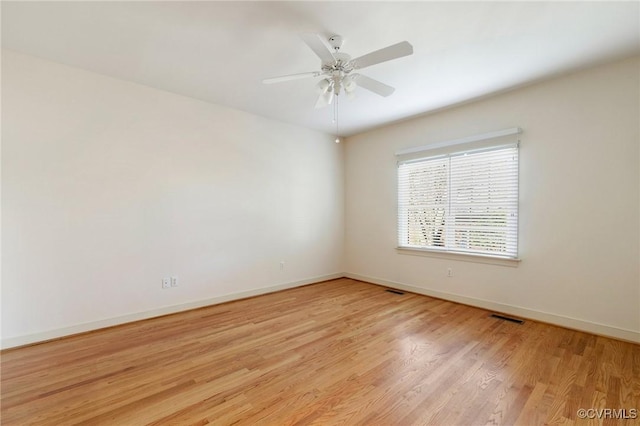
(338, 352)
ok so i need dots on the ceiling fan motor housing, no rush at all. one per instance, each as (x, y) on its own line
(341, 64)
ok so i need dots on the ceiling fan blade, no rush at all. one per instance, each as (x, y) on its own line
(318, 46)
(398, 50)
(290, 77)
(373, 85)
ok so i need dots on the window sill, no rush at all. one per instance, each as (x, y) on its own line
(465, 257)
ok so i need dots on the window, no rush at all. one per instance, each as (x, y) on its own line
(464, 201)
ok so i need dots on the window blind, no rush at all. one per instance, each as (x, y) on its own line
(464, 201)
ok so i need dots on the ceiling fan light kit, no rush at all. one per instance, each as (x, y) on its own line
(337, 68)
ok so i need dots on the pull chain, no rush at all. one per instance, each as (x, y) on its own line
(335, 118)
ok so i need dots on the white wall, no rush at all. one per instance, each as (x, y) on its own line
(579, 203)
(108, 186)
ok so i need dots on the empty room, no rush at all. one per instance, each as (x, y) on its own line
(330, 212)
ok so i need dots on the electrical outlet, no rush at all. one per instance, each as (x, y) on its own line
(449, 272)
(174, 281)
(166, 282)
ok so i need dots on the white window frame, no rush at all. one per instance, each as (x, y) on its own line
(487, 142)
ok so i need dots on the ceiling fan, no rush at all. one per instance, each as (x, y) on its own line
(337, 68)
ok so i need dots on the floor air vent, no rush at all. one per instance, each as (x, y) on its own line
(502, 317)
(390, 290)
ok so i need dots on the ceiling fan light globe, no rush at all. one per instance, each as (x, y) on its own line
(337, 86)
(322, 86)
(329, 97)
(349, 84)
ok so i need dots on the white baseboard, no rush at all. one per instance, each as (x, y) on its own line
(109, 322)
(560, 320)
(563, 321)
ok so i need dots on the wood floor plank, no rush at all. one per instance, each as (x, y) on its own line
(337, 352)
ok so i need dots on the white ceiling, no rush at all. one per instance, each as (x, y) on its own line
(220, 51)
